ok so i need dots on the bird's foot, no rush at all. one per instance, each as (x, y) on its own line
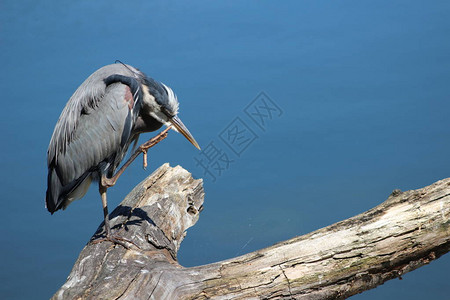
(117, 240)
(152, 142)
(155, 140)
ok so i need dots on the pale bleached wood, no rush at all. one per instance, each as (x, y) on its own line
(406, 231)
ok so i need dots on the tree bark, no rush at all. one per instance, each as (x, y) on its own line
(408, 230)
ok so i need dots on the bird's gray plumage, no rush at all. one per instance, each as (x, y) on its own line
(104, 115)
(85, 99)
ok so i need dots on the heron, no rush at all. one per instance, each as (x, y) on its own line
(104, 116)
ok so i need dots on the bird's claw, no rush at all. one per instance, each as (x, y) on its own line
(152, 142)
(144, 151)
(116, 240)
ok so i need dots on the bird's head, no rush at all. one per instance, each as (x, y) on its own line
(162, 105)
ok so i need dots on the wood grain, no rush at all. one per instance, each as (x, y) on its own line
(408, 230)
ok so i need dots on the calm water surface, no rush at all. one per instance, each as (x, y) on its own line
(362, 91)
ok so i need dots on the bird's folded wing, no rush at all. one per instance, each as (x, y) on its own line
(98, 135)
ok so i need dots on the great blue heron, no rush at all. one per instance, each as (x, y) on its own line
(102, 118)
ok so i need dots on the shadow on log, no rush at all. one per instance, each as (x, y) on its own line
(408, 230)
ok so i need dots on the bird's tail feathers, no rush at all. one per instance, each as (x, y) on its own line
(59, 196)
(54, 187)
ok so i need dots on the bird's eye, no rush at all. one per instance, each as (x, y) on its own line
(167, 112)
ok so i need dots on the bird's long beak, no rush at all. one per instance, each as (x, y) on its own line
(184, 131)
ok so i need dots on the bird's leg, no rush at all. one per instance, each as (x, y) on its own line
(106, 182)
(105, 209)
(109, 236)
(109, 182)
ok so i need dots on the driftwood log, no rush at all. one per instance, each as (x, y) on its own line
(408, 230)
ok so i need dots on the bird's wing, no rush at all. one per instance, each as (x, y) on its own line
(85, 99)
(102, 134)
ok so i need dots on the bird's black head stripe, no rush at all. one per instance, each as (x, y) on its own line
(132, 83)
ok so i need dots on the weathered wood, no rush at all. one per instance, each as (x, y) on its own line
(408, 230)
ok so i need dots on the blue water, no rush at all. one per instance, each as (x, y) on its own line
(362, 91)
